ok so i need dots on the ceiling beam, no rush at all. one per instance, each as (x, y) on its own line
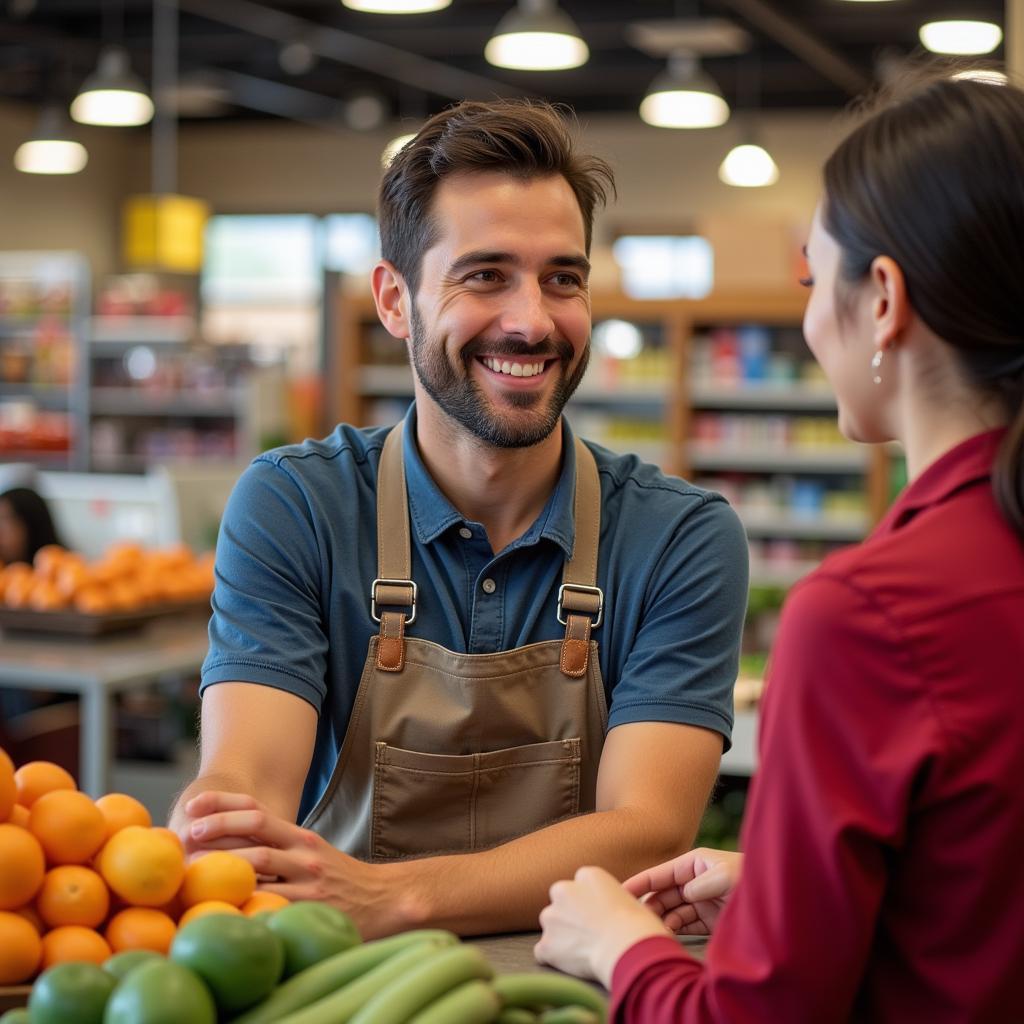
(805, 45)
(356, 51)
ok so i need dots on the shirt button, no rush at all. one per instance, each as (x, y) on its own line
(489, 586)
(465, 533)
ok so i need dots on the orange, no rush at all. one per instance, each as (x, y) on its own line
(169, 833)
(93, 600)
(22, 866)
(73, 895)
(18, 587)
(48, 560)
(8, 787)
(72, 576)
(45, 597)
(120, 810)
(260, 901)
(34, 778)
(207, 907)
(141, 928)
(19, 816)
(71, 943)
(20, 950)
(69, 826)
(219, 875)
(31, 915)
(142, 865)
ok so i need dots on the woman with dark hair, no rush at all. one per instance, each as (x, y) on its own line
(25, 525)
(884, 829)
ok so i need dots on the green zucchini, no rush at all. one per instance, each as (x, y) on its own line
(516, 1015)
(424, 983)
(474, 1002)
(569, 1015)
(342, 1005)
(531, 989)
(334, 973)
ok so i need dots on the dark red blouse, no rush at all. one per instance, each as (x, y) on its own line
(884, 877)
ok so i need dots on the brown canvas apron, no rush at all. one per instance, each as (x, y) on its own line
(448, 752)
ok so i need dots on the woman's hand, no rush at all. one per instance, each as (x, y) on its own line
(689, 892)
(590, 922)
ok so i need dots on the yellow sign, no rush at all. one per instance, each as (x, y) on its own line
(164, 232)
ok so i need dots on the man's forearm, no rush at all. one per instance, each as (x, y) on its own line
(504, 889)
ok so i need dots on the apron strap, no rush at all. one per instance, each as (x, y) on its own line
(580, 600)
(393, 595)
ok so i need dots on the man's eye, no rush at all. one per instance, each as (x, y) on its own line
(567, 281)
(485, 276)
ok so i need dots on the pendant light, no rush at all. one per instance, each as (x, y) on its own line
(51, 150)
(397, 6)
(112, 95)
(963, 37)
(748, 165)
(537, 35)
(683, 96)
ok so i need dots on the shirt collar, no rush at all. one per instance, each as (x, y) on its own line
(968, 463)
(431, 513)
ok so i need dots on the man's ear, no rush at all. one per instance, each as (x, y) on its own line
(392, 299)
(890, 309)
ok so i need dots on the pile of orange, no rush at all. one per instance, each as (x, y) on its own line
(126, 578)
(81, 879)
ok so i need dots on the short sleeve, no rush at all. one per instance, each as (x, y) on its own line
(268, 622)
(683, 663)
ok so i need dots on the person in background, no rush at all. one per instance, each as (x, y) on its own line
(884, 828)
(493, 652)
(25, 525)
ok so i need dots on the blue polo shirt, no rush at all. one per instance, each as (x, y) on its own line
(297, 554)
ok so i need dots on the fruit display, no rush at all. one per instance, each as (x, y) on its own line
(127, 578)
(100, 909)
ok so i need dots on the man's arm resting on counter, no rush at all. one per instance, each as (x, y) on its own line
(254, 739)
(653, 785)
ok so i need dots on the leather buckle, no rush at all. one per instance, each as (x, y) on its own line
(374, 614)
(583, 590)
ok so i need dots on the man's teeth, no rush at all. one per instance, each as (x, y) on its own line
(514, 369)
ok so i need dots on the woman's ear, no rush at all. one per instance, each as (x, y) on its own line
(890, 310)
(392, 299)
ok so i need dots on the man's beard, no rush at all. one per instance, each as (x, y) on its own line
(462, 400)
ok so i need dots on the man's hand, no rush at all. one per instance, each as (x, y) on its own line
(292, 861)
(689, 892)
(590, 922)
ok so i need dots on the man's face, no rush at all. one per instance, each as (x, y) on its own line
(501, 321)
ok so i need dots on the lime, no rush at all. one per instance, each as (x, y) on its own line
(240, 959)
(311, 932)
(160, 992)
(19, 1015)
(70, 991)
(121, 963)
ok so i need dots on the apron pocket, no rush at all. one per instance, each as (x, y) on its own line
(456, 803)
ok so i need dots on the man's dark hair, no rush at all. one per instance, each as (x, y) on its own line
(520, 138)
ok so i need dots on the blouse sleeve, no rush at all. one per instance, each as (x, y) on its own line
(844, 731)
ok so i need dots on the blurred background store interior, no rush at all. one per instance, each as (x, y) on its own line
(184, 291)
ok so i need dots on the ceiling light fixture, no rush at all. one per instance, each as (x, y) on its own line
(112, 95)
(748, 166)
(537, 35)
(51, 150)
(397, 6)
(965, 37)
(683, 96)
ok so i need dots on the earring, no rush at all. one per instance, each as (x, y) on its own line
(876, 365)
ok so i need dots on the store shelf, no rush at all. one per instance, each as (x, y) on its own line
(824, 459)
(51, 397)
(760, 523)
(765, 574)
(383, 381)
(786, 398)
(140, 402)
(141, 330)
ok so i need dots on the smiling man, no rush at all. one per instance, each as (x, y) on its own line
(453, 660)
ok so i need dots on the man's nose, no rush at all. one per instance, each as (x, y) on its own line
(526, 314)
